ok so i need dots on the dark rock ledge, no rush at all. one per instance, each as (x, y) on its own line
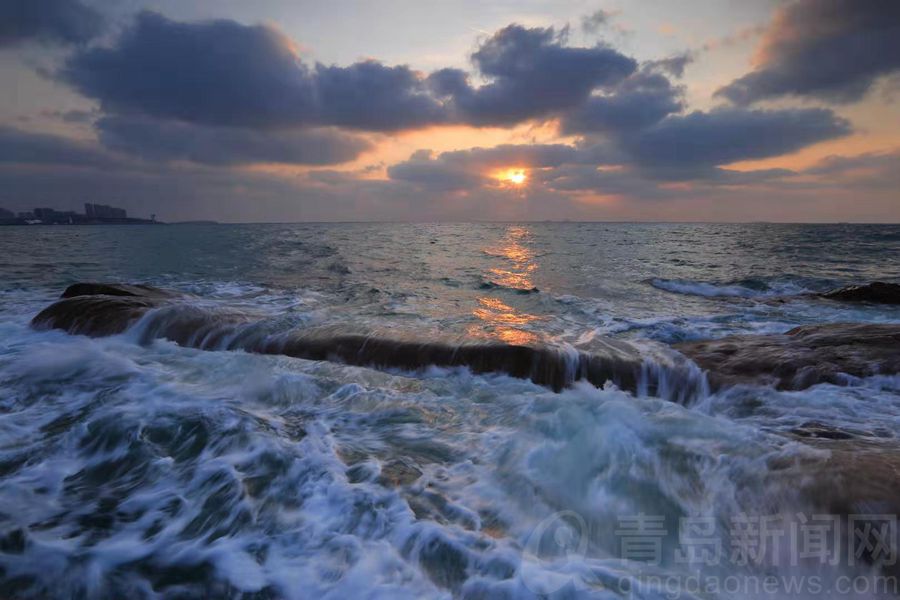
(802, 357)
(876, 292)
(805, 356)
(108, 309)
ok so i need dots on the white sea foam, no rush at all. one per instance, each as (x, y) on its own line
(731, 290)
(135, 467)
(162, 466)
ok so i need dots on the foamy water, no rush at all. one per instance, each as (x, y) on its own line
(135, 467)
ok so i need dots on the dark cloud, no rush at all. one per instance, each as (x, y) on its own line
(371, 96)
(727, 177)
(638, 102)
(436, 175)
(154, 139)
(464, 169)
(227, 74)
(186, 191)
(674, 65)
(680, 144)
(829, 49)
(47, 170)
(595, 21)
(633, 183)
(217, 72)
(57, 21)
(224, 73)
(532, 74)
(839, 165)
(70, 116)
(606, 181)
(23, 147)
(875, 170)
(691, 147)
(507, 155)
(176, 99)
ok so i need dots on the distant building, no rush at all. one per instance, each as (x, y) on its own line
(49, 215)
(94, 214)
(102, 211)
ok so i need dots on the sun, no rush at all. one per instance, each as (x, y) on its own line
(517, 177)
(514, 176)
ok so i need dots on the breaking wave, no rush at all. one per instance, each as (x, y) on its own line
(745, 288)
(648, 370)
(344, 411)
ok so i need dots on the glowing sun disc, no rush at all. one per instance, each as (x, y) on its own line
(516, 177)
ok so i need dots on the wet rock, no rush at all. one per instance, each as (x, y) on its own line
(800, 358)
(860, 476)
(100, 309)
(855, 480)
(877, 292)
(201, 327)
(96, 316)
(108, 309)
(543, 365)
(115, 289)
(398, 472)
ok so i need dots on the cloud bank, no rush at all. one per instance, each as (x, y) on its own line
(48, 21)
(153, 139)
(197, 103)
(532, 74)
(834, 50)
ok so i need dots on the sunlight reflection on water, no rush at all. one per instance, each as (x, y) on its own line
(519, 258)
(498, 319)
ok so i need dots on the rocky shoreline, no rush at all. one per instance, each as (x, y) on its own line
(836, 353)
(99, 310)
(857, 472)
(800, 358)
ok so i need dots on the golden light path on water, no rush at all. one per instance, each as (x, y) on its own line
(499, 319)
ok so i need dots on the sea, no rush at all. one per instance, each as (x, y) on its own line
(136, 468)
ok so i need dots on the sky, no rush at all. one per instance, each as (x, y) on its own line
(454, 110)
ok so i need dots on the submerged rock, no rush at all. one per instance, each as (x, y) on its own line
(877, 292)
(800, 358)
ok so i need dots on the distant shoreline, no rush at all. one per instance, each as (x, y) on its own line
(126, 221)
(130, 221)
